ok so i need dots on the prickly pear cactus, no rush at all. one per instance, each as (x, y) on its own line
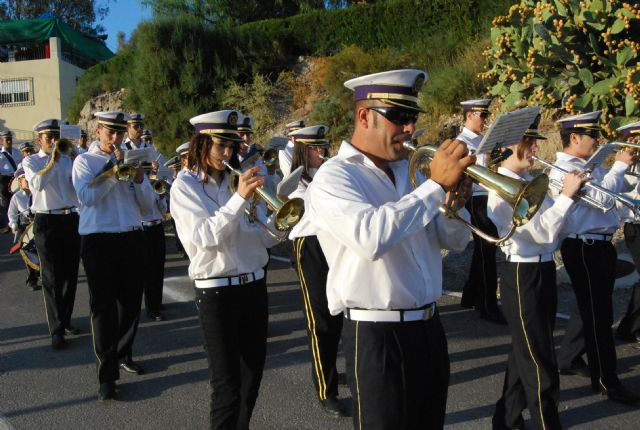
(575, 55)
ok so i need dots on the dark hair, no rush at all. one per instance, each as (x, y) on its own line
(198, 159)
(565, 136)
(299, 158)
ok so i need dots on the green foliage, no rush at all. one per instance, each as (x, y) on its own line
(259, 98)
(111, 75)
(79, 14)
(576, 55)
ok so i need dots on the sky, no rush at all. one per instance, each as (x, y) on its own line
(124, 15)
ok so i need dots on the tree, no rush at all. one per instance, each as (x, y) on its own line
(79, 14)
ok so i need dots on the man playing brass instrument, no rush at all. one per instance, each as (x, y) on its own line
(382, 244)
(55, 228)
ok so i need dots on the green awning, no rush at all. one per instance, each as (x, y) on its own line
(41, 29)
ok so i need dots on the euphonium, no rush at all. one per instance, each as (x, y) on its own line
(524, 197)
(287, 214)
(62, 146)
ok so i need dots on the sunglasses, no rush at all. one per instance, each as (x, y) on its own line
(397, 116)
(594, 134)
(483, 115)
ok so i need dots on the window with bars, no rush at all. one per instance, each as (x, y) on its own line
(16, 92)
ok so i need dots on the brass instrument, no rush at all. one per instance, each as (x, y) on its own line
(632, 204)
(524, 197)
(270, 157)
(63, 147)
(160, 186)
(287, 214)
(122, 172)
(635, 150)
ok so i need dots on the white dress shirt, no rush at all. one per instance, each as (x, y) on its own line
(382, 241)
(6, 169)
(211, 224)
(631, 190)
(53, 189)
(584, 218)
(111, 206)
(285, 158)
(542, 234)
(304, 227)
(80, 150)
(157, 210)
(473, 140)
(19, 206)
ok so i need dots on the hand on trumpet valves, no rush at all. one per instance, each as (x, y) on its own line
(249, 181)
(457, 198)
(155, 166)
(449, 163)
(572, 182)
(626, 156)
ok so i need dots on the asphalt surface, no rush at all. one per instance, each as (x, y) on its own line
(45, 389)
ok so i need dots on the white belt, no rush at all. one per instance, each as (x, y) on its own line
(65, 211)
(591, 236)
(542, 258)
(225, 281)
(391, 316)
(151, 223)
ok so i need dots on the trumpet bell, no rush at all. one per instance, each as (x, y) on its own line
(64, 146)
(270, 157)
(289, 214)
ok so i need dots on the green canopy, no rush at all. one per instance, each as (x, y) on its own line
(41, 29)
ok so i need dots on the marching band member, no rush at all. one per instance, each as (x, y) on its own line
(55, 228)
(227, 251)
(529, 297)
(382, 244)
(481, 287)
(323, 329)
(81, 148)
(629, 327)
(590, 260)
(10, 157)
(138, 137)
(27, 149)
(111, 233)
(20, 217)
(285, 156)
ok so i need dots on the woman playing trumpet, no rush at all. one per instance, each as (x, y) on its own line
(528, 293)
(227, 251)
(323, 329)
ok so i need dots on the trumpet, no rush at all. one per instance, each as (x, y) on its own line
(62, 146)
(635, 150)
(632, 204)
(160, 186)
(122, 172)
(287, 214)
(524, 197)
(270, 157)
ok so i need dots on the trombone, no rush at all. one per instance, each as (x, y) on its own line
(591, 201)
(524, 197)
(287, 214)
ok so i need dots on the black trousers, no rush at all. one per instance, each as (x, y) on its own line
(630, 323)
(234, 329)
(323, 329)
(58, 245)
(115, 295)
(398, 373)
(591, 266)
(482, 284)
(155, 248)
(529, 298)
(5, 198)
(32, 274)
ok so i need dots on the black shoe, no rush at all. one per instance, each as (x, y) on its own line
(494, 317)
(620, 394)
(156, 316)
(72, 331)
(332, 407)
(58, 342)
(34, 287)
(628, 337)
(131, 366)
(578, 368)
(342, 379)
(107, 391)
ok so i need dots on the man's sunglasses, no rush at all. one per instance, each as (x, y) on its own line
(483, 115)
(397, 116)
(594, 134)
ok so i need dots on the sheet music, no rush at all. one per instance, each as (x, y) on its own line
(278, 142)
(290, 183)
(508, 129)
(599, 156)
(164, 173)
(135, 157)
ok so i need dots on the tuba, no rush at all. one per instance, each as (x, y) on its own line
(524, 197)
(287, 214)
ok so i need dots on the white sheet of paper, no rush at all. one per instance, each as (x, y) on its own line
(135, 157)
(599, 156)
(70, 131)
(278, 142)
(290, 183)
(508, 129)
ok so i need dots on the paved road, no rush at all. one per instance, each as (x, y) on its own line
(45, 389)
